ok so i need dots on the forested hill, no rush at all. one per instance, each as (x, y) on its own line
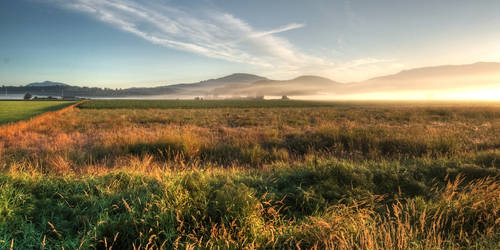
(84, 91)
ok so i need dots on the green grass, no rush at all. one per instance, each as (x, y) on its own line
(214, 104)
(12, 111)
(368, 175)
(284, 206)
(203, 104)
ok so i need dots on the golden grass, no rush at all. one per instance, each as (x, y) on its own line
(254, 137)
(385, 177)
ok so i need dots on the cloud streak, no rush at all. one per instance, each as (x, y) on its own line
(211, 33)
(208, 33)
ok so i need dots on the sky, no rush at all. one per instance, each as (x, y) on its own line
(123, 43)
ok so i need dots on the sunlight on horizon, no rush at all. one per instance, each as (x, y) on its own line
(492, 94)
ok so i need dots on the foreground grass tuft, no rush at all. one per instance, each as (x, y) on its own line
(329, 205)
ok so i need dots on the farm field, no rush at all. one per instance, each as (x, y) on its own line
(273, 103)
(12, 111)
(200, 104)
(128, 174)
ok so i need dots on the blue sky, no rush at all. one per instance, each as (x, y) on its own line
(112, 43)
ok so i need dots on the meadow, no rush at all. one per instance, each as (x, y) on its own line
(253, 174)
(12, 111)
(199, 104)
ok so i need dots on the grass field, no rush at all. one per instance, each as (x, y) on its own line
(199, 104)
(12, 111)
(211, 104)
(168, 174)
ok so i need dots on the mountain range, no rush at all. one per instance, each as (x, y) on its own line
(46, 84)
(303, 85)
(438, 78)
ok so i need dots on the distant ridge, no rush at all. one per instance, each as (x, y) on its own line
(302, 85)
(237, 77)
(437, 78)
(444, 71)
(233, 79)
(46, 84)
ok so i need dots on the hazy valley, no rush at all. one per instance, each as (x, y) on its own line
(441, 82)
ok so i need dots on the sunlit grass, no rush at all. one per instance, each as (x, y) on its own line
(11, 111)
(199, 104)
(353, 175)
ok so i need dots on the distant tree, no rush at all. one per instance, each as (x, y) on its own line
(27, 96)
(285, 98)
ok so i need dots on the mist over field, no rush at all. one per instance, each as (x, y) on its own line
(476, 81)
(479, 81)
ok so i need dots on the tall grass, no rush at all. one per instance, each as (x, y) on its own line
(253, 137)
(456, 217)
(343, 177)
(242, 209)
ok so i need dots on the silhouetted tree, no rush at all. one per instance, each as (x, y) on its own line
(27, 96)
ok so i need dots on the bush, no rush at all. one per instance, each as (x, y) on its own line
(27, 96)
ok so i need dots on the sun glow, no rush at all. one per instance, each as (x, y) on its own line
(480, 95)
(490, 94)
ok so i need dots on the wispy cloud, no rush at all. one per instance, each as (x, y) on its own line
(209, 33)
(279, 30)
